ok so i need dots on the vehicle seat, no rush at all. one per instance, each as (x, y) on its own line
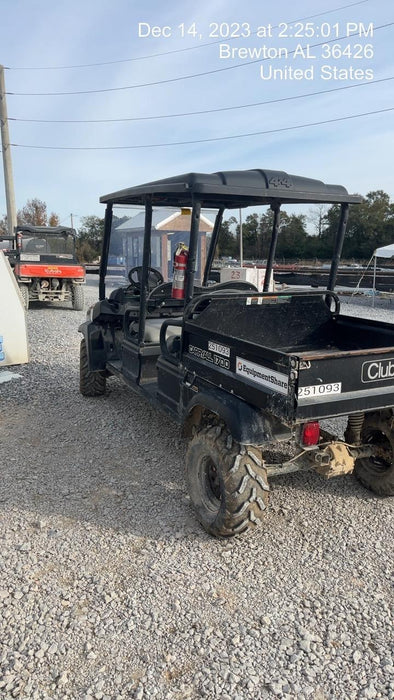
(123, 294)
(105, 307)
(152, 330)
(231, 286)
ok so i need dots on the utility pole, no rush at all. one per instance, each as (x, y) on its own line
(72, 221)
(7, 164)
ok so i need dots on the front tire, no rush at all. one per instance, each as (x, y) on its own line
(90, 383)
(24, 290)
(77, 297)
(227, 486)
(376, 473)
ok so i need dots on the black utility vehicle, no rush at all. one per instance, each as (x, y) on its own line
(248, 375)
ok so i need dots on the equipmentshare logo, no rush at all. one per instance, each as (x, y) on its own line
(263, 375)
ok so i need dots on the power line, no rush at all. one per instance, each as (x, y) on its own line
(218, 138)
(202, 111)
(183, 77)
(167, 53)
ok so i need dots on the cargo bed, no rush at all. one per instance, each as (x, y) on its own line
(292, 354)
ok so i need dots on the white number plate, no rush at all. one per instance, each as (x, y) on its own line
(29, 257)
(319, 390)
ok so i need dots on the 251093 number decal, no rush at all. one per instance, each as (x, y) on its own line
(319, 390)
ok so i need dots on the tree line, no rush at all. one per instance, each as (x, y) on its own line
(89, 233)
(301, 237)
(370, 225)
(34, 213)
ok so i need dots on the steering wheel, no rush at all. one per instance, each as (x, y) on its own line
(135, 278)
(162, 291)
(159, 294)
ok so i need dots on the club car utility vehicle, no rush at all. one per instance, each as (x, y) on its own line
(46, 267)
(248, 375)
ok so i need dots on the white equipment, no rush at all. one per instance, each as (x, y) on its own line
(13, 337)
(254, 275)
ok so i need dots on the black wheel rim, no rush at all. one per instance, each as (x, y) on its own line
(210, 484)
(382, 461)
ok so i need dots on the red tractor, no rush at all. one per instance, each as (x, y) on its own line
(46, 267)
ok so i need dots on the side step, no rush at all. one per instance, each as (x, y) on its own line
(115, 367)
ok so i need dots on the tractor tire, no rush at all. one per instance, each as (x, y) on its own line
(376, 473)
(90, 383)
(227, 486)
(77, 297)
(24, 290)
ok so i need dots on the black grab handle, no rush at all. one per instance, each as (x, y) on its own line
(193, 305)
(163, 344)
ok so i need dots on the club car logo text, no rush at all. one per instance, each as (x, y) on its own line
(378, 370)
(262, 375)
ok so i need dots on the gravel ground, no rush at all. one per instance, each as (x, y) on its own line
(110, 589)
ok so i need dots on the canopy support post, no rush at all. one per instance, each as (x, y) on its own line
(145, 266)
(104, 254)
(193, 246)
(274, 239)
(212, 247)
(338, 246)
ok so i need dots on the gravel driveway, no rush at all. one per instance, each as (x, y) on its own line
(109, 588)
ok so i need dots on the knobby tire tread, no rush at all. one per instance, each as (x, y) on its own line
(244, 485)
(381, 484)
(90, 383)
(78, 297)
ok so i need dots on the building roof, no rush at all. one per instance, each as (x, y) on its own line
(164, 220)
(138, 221)
(232, 189)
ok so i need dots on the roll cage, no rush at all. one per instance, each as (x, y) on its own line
(233, 189)
(45, 233)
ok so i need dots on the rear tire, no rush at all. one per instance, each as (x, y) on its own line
(77, 297)
(90, 383)
(24, 289)
(228, 489)
(377, 473)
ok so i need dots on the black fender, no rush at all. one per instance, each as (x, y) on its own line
(93, 336)
(247, 424)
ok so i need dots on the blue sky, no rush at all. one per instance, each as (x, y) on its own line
(357, 153)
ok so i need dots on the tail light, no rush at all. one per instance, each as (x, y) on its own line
(311, 433)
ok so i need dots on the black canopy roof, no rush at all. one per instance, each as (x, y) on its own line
(233, 189)
(45, 230)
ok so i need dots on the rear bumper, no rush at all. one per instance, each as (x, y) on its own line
(363, 382)
(352, 402)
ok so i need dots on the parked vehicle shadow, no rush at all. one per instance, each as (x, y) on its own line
(343, 487)
(53, 305)
(113, 461)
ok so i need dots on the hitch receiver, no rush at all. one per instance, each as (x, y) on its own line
(334, 460)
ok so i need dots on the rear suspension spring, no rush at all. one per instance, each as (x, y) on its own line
(354, 426)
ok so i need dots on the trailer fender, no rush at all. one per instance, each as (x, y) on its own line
(247, 424)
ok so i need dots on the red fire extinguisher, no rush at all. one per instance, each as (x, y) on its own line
(179, 279)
